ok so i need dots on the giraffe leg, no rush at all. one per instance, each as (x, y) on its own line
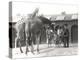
(27, 47)
(27, 43)
(37, 41)
(32, 48)
(19, 42)
(16, 40)
(20, 47)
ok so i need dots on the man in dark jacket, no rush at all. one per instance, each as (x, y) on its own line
(66, 36)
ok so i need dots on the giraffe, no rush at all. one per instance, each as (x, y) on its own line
(32, 26)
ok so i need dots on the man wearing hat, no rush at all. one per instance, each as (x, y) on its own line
(66, 36)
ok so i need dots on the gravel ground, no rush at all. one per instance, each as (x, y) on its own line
(45, 51)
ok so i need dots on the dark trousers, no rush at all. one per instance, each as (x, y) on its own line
(66, 42)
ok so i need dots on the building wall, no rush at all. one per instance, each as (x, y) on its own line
(70, 24)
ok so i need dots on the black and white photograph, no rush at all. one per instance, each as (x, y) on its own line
(42, 29)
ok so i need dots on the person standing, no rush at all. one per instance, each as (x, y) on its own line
(66, 36)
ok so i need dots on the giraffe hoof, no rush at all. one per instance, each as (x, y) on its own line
(22, 52)
(26, 53)
(38, 52)
(33, 53)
